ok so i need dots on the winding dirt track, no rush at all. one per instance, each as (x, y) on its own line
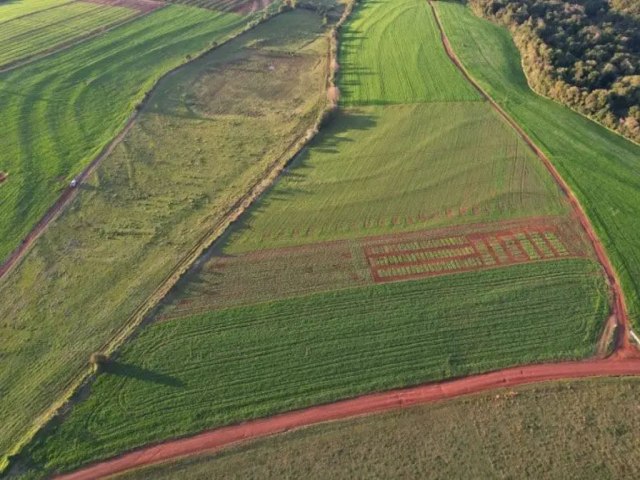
(375, 403)
(625, 361)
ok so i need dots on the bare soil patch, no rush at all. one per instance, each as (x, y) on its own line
(250, 6)
(3, 176)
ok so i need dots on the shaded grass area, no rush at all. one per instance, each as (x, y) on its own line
(60, 111)
(390, 52)
(44, 30)
(600, 166)
(571, 430)
(206, 135)
(227, 366)
(390, 169)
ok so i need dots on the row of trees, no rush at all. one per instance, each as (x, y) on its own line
(584, 53)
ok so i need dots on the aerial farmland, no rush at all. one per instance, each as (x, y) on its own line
(225, 219)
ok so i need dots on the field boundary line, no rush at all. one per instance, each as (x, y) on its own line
(618, 305)
(9, 67)
(67, 196)
(215, 440)
(241, 204)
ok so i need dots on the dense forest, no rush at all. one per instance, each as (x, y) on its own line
(584, 53)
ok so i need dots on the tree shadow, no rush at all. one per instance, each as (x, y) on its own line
(129, 370)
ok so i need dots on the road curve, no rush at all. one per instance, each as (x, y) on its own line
(214, 440)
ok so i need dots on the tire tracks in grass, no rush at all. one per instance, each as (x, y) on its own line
(624, 346)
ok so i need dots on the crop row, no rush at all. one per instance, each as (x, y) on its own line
(196, 373)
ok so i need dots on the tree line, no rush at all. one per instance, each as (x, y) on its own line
(584, 53)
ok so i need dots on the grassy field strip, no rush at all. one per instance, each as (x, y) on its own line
(12, 10)
(134, 227)
(599, 166)
(252, 362)
(577, 429)
(62, 110)
(391, 53)
(49, 30)
(380, 170)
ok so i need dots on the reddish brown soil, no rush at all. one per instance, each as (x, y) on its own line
(3, 176)
(140, 5)
(214, 440)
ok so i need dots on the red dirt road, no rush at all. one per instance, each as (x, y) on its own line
(214, 440)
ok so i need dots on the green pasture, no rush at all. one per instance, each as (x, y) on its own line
(205, 135)
(47, 29)
(10, 10)
(390, 52)
(601, 167)
(60, 111)
(377, 170)
(190, 374)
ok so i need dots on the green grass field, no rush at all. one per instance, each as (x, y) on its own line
(390, 52)
(12, 10)
(569, 430)
(187, 375)
(390, 169)
(600, 166)
(207, 133)
(59, 112)
(29, 35)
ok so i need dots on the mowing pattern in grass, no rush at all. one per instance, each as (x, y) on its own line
(391, 53)
(184, 376)
(600, 166)
(575, 430)
(377, 170)
(209, 131)
(28, 35)
(59, 112)
(12, 10)
(240, 6)
(264, 275)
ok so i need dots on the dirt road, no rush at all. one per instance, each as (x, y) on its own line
(214, 440)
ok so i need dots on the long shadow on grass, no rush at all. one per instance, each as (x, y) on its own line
(138, 373)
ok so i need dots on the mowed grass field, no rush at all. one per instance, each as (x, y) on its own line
(12, 10)
(390, 52)
(208, 132)
(59, 112)
(186, 375)
(600, 166)
(570, 430)
(47, 29)
(379, 170)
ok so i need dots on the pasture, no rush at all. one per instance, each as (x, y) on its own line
(601, 167)
(46, 30)
(578, 429)
(186, 375)
(390, 52)
(380, 170)
(59, 112)
(205, 135)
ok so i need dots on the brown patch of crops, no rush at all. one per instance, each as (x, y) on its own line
(265, 275)
(140, 5)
